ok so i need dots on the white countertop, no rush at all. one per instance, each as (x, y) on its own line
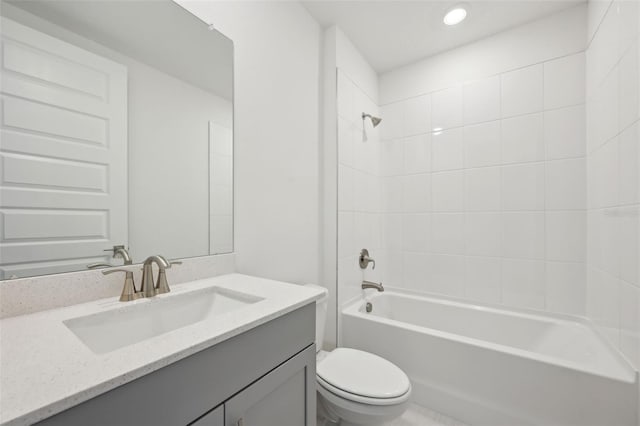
(45, 369)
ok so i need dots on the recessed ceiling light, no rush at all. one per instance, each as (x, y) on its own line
(455, 15)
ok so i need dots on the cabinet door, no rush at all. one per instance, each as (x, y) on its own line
(214, 417)
(284, 397)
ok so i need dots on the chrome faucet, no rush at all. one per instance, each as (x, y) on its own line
(148, 288)
(369, 284)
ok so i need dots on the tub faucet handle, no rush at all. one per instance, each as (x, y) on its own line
(364, 259)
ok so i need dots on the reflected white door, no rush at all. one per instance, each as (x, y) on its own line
(63, 153)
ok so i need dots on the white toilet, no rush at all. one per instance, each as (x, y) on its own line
(356, 387)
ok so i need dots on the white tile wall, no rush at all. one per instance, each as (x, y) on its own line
(485, 185)
(613, 174)
(493, 188)
(522, 91)
(369, 186)
(482, 100)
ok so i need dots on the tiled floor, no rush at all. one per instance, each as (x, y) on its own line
(417, 415)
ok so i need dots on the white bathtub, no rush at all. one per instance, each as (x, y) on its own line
(495, 366)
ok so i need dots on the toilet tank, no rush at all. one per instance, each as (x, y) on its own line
(321, 314)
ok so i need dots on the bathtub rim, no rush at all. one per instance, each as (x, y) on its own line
(354, 305)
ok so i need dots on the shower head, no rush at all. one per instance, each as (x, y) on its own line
(374, 120)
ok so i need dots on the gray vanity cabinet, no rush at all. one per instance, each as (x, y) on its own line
(262, 377)
(214, 418)
(278, 399)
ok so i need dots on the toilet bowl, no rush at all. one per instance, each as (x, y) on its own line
(355, 387)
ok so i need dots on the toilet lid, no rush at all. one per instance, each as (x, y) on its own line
(363, 373)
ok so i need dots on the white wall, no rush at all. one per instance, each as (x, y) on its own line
(277, 123)
(484, 172)
(613, 156)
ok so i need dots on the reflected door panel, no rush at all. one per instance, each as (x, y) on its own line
(63, 149)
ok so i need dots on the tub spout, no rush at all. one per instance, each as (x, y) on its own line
(369, 284)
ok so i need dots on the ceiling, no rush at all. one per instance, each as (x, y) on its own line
(392, 33)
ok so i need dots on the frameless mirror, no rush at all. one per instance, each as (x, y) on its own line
(117, 130)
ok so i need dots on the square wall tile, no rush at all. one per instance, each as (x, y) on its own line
(391, 157)
(566, 184)
(416, 232)
(448, 191)
(368, 230)
(564, 81)
(346, 184)
(345, 94)
(391, 233)
(523, 283)
(482, 189)
(483, 234)
(447, 275)
(391, 193)
(522, 91)
(523, 235)
(447, 150)
(630, 322)
(604, 175)
(446, 108)
(414, 266)
(629, 231)
(346, 235)
(345, 142)
(483, 279)
(416, 193)
(417, 115)
(417, 154)
(522, 139)
(566, 287)
(392, 125)
(603, 303)
(566, 236)
(565, 133)
(481, 100)
(349, 278)
(482, 144)
(629, 99)
(629, 168)
(523, 187)
(447, 233)
(611, 241)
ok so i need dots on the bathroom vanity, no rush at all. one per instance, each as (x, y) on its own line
(251, 363)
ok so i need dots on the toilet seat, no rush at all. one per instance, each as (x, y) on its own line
(363, 377)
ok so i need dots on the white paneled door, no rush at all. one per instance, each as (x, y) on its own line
(63, 154)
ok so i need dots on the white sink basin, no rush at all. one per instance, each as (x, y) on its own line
(107, 331)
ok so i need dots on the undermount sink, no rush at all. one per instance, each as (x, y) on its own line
(107, 331)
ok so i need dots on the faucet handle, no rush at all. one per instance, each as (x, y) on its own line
(129, 291)
(364, 259)
(99, 265)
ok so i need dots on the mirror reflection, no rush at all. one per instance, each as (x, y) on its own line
(117, 130)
